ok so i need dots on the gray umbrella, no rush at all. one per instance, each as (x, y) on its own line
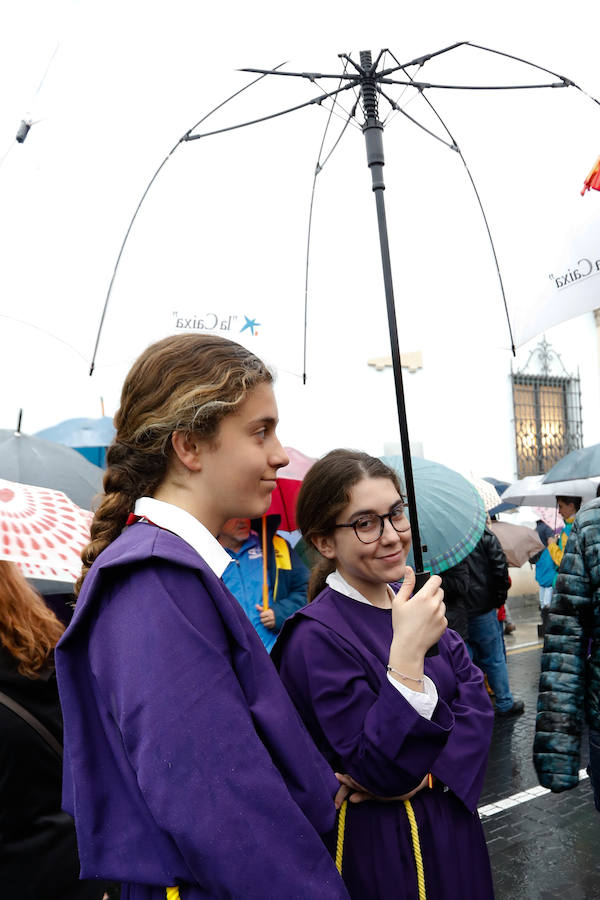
(31, 460)
(584, 463)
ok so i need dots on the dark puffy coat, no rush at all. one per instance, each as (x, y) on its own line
(570, 681)
(488, 576)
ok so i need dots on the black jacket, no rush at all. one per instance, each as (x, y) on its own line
(488, 576)
(38, 850)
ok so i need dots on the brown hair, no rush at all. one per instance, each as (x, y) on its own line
(188, 382)
(576, 501)
(325, 492)
(28, 629)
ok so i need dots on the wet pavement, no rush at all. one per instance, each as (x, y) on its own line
(542, 846)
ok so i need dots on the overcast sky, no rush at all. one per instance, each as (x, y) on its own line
(223, 230)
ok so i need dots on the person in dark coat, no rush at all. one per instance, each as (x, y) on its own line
(413, 732)
(488, 587)
(569, 690)
(38, 849)
(187, 767)
(455, 584)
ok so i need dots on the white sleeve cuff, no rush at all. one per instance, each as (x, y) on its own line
(424, 703)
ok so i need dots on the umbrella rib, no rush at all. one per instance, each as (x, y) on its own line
(281, 112)
(485, 219)
(399, 109)
(318, 169)
(143, 197)
(425, 85)
(420, 60)
(311, 76)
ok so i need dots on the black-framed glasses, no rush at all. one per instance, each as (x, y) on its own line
(369, 528)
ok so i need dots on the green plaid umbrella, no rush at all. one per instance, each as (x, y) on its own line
(451, 513)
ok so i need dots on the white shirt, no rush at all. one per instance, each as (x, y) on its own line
(188, 528)
(424, 703)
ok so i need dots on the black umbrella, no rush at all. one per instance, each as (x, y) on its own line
(582, 463)
(31, 460)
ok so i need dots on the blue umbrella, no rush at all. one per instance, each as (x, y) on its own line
(451, 512)
(90, 437)
(500, 487)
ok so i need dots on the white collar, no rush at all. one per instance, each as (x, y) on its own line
(337, 583)
(188, 528)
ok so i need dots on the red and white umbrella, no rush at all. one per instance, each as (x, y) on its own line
(42, 531)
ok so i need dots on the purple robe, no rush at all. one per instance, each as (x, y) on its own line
(332, 657)
(185, 761)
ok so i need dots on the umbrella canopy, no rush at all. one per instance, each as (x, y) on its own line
(518, 542)
(81, 432)
(42, 531)
(451, 512)
(530, 491)
(583, 463)
(550, 516)
(289, 479)
(487, 492)
(500, 488)
(34, 461)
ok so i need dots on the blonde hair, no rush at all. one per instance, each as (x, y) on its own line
(188, 383)
(28, 629)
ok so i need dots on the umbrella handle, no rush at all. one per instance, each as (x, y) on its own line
(265, 584)
(420, 579)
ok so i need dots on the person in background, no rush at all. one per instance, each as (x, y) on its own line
(287, 576)
(488, 587)
(569, 689)
(567, 507)
(38, 849)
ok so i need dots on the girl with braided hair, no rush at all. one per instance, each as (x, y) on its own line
(187, 769)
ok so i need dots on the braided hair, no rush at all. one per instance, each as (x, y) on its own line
(188, 382)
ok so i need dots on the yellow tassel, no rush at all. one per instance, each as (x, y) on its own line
(339, 850)
(173, 893)
(414, 833)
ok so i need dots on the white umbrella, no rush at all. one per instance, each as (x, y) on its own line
(42, 531)
(530, 491)
(567, 282)
(487, 492)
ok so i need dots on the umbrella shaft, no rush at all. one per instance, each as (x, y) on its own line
(373, 131)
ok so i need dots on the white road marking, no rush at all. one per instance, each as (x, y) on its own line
(499, 806)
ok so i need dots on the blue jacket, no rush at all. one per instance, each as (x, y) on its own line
(570, 680)
(287, 577)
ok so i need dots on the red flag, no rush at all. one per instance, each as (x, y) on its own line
(593, 179)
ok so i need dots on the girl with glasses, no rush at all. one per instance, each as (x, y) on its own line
(412, 731)
(187, 769)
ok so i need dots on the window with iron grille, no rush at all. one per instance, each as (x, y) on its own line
(547, 412)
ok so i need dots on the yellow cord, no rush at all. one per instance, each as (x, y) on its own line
(173, 893)
(339, 850)
(414, 833)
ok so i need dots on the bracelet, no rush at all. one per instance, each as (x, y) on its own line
(408, 677)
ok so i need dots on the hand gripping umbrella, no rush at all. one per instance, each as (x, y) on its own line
(370, 81)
